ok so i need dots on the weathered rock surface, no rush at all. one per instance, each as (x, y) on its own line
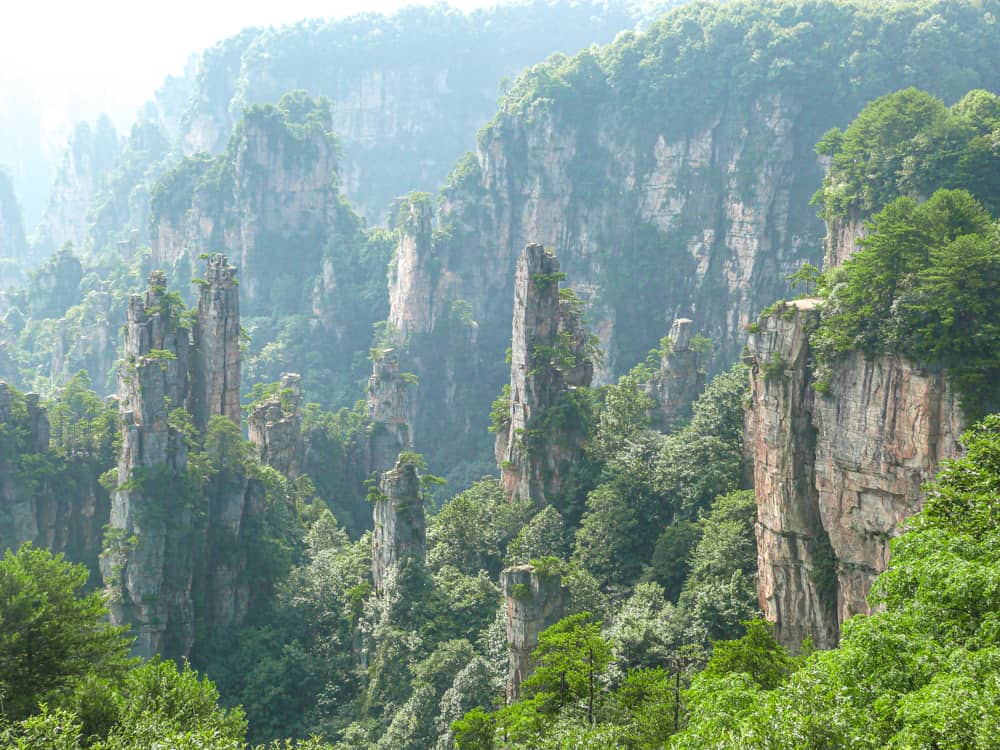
(390, 412)
(400, 533)
(885, 429)
(170, 561)
(835, 475)
(275, 427)
(549, 357)
(64, 511)
(89, 155)
(532, 603)
(679, 380)
(217, 370)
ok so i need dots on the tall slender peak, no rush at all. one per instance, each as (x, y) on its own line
(793, 547)
(411, 277)
(275, 427)
(680, 379)
(146, 570)
(550, 356)
(835, 475)
(534, 600)
(217, 366)
(400, 533)
(390, 411)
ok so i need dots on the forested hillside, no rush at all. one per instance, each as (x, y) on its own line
(671, 421)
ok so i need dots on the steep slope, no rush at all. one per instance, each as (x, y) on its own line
(91, 152)
(670, 171)
(409, 90)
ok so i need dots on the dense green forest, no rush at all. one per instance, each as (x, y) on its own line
(230, 503)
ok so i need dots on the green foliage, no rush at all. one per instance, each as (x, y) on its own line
(909, 144)
(921, 286)
(53, 636)
(920, 672)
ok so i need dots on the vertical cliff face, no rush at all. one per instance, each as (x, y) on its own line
(149, 565)
(680, 379)
(64, 508)
(273, 193)
(535, 446)
(795, 574)
(170, 559)
(533, 602)
(390, 412)
(275, 427)
(400, 528)
(835, 474)
(89, 155)
(216, 366)
(409, 91)
(886, 427)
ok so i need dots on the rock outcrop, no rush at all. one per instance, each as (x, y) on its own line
(13, 245)
(400, 528)
(679, 380)
(161, 536)
(533, 601)
(836, 474)
(89, 155)
(63, 509)
(390, 412)
(537, 445)
(275, 427)
(216, 368)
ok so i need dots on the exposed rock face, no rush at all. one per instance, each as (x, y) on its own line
(277, 194)
(404, 118)
(89, 155)
(680, 379)
(275, 427)
(842, 237)
(884, 433)
(835, 475)
(390, 412)
(549, 357)
(400, 528)
(13, 246)
(533, 603)
(216, 389)
(149, 563)
(64, 512)
(791, 539)
(160, 540)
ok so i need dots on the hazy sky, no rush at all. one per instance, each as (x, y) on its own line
(76, 58)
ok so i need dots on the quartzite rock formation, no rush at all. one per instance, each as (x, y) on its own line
(275, 427)
(836, 474)
(159, 540)
(549, 358)
(533, 601)
(390, 412)
(400, 533)
(680, 379)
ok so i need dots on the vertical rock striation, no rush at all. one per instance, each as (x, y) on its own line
(275, 427)
(149, 565)
(796, 590)
(400, 528)
(836, 474)
(390, 412)
(217, 371)
(533, 602)
(680, 379)
(173, 551)
(63, 508)
(535, 448)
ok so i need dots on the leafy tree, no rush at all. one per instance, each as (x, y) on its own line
(53, 635)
